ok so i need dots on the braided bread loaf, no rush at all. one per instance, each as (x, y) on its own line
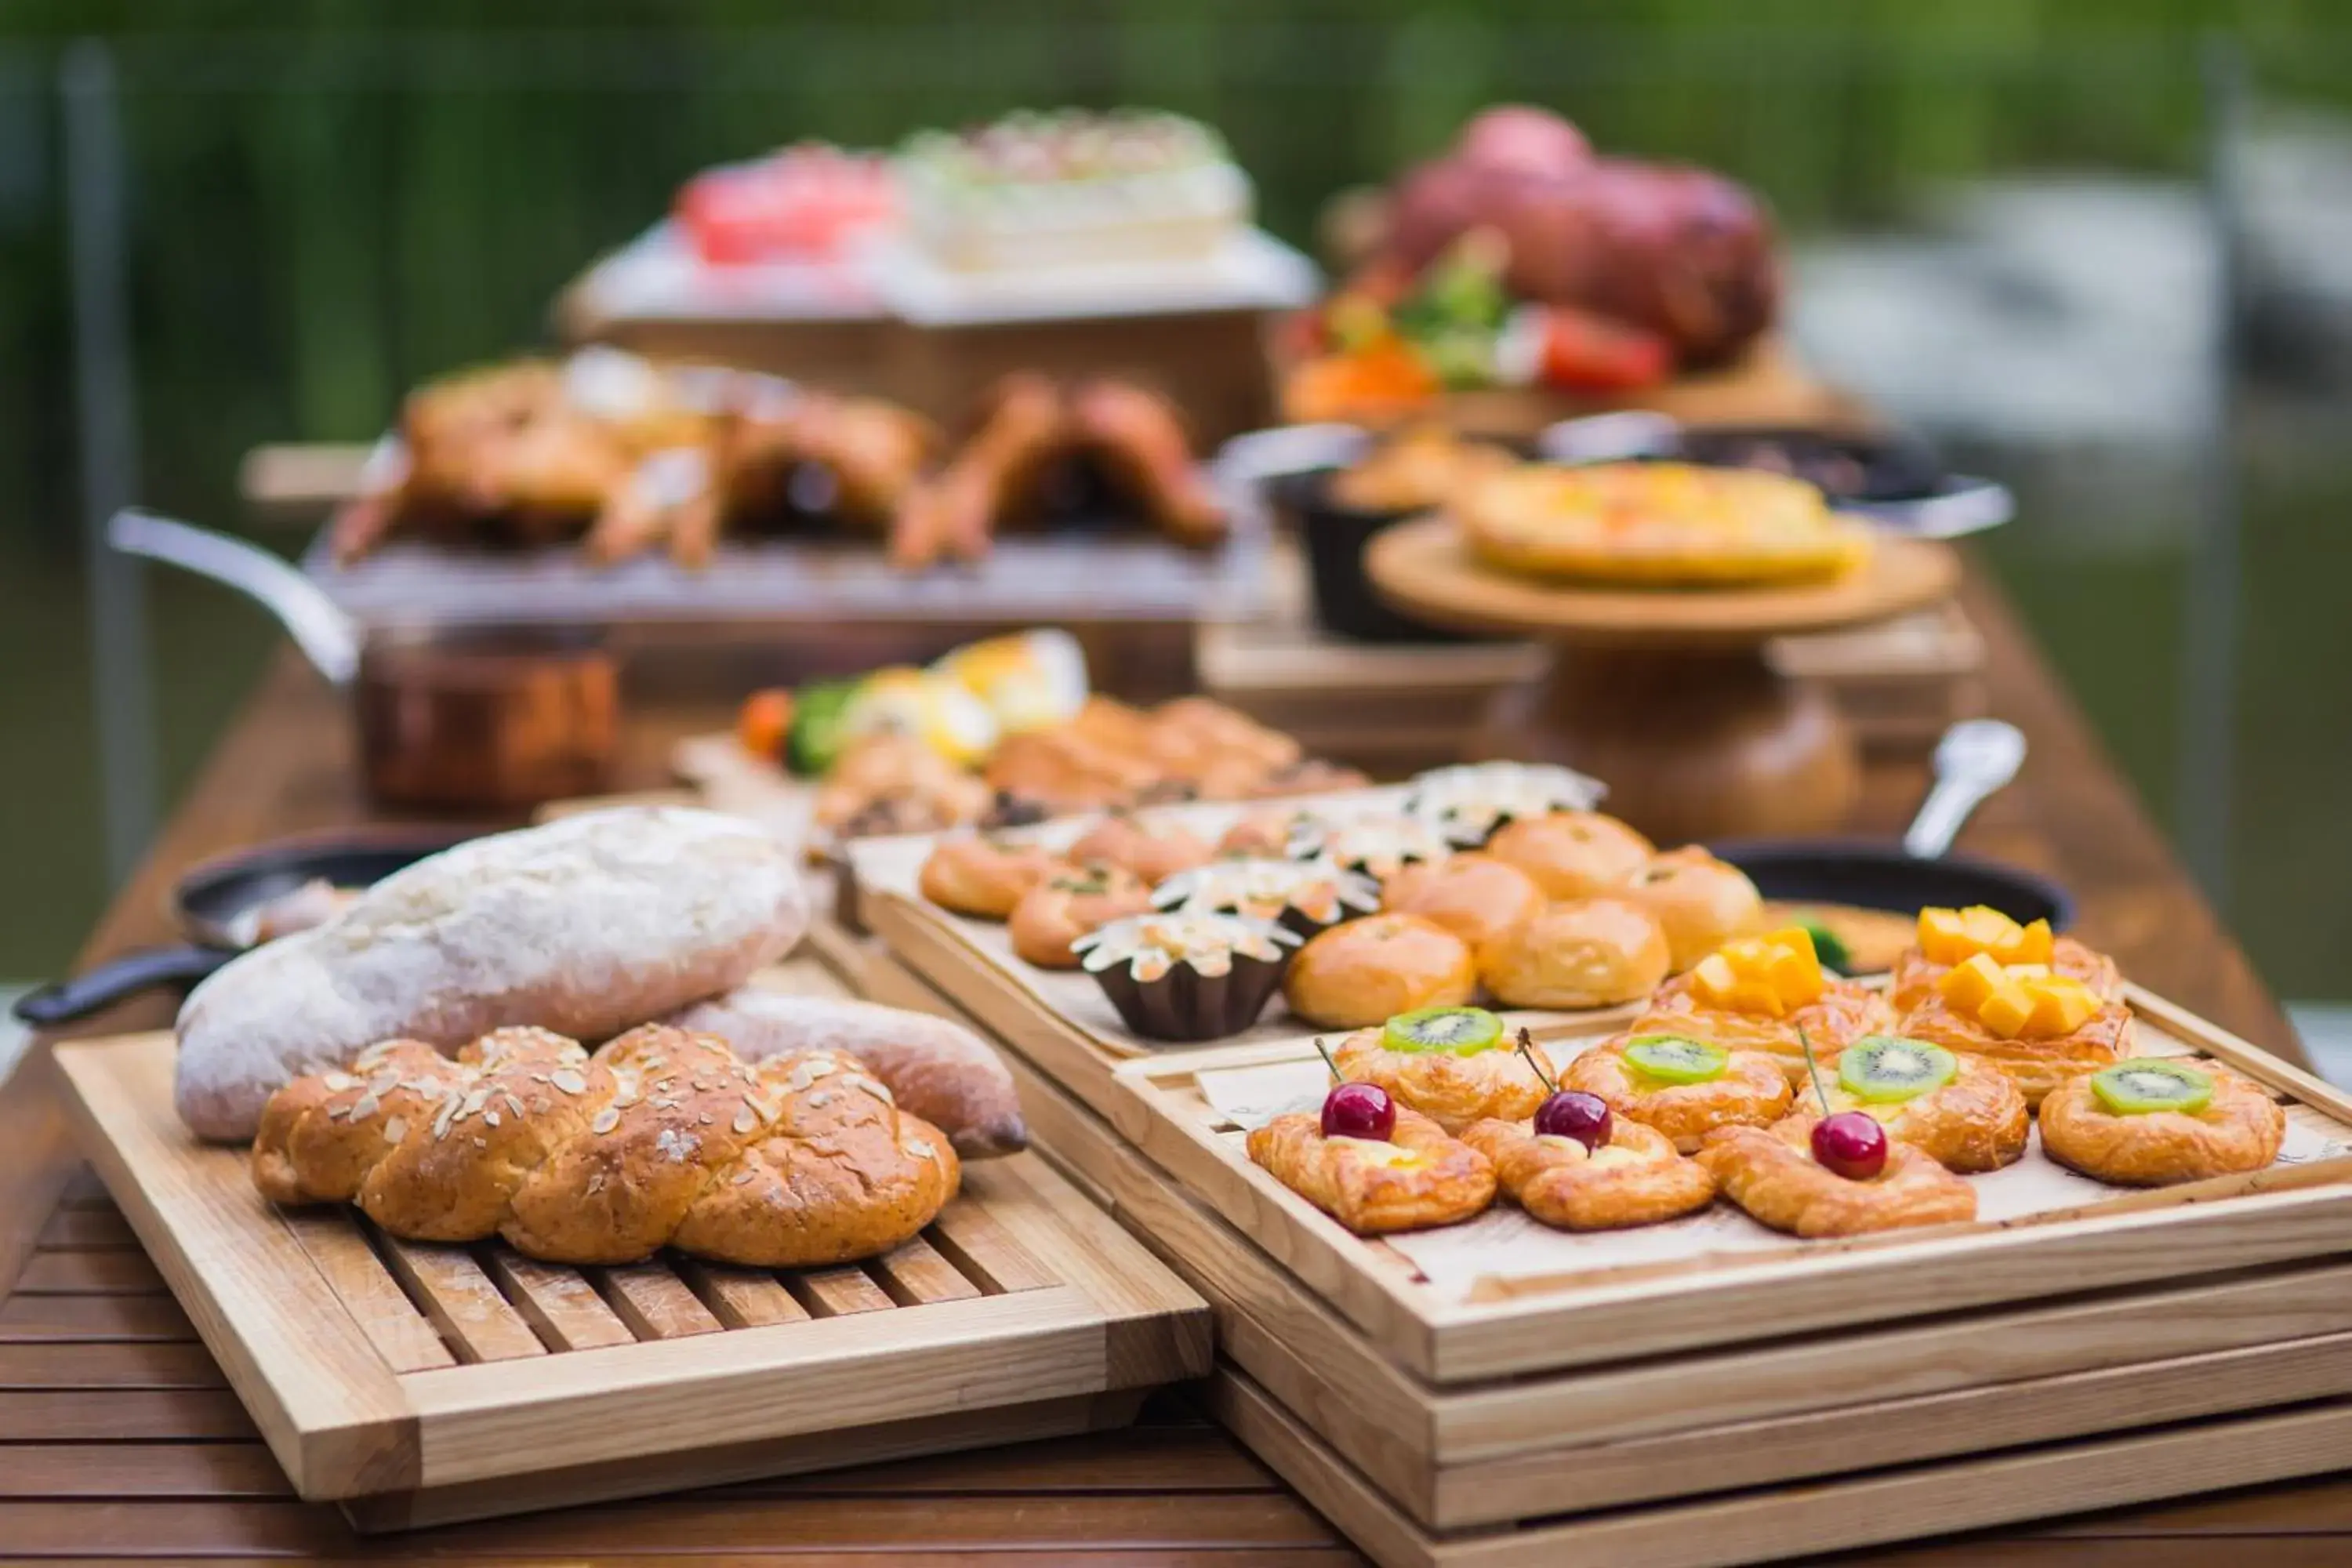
(663, 1138)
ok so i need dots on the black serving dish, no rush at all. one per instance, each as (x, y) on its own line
(1334, 537)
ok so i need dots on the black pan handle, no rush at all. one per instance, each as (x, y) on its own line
(63, 1001)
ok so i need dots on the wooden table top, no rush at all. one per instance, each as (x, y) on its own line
(119, 1437)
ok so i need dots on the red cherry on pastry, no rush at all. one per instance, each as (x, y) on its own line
(1851, 1145)
(1571, 1113)
(1359, 1111)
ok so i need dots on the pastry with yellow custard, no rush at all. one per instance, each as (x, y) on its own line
(1419, 1176)
(1776, 1174)
(1768, 993)
(1947, 937)
(1633, 1177)
(1960, 1110)
(1657, 524)
(1454, 1065)
(1683, 1087)
(2152, 1124)
(2037, 1025)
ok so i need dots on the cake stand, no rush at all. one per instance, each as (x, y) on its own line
(1665, 693)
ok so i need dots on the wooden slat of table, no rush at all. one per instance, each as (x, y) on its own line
(180, 1473)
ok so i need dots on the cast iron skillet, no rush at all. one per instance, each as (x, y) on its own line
(205, 903)
(1973, 760)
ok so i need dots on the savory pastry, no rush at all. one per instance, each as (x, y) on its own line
(1778, 1175)
(1454, 1065)
(983, 875)
(2037, 1026)
(1188, 732)
(934, 1067)
(1657, 524)
(1368, 971)
(891, 782)
(1702, 902)
(1417, 1177)
(1573, 854)
(662, 1138)
(1589, 952)
(1468, 803)
(1188, 976)
(1378, 845)
(1304, 895)
(1154, 849)
(1633, 1177)
(587, 926)
(1769, 993)
(1068, 904)
(1961, 1112)
(2155, 1123)
(1683, 1086)
(1950, 937)
(1476, 896)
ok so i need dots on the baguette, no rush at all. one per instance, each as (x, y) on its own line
(937, 1069)
(587, 926)
(664, 1138)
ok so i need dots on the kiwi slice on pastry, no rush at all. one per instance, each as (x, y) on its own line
(1677, 1059)
(1880, 1070)
(2137, 1088)
(1457, 1031)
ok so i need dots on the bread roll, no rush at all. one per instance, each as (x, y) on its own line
(586, 926)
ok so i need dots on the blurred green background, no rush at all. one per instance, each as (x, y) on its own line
(329, 201)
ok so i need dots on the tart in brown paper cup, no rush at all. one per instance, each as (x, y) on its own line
(1184, 1004)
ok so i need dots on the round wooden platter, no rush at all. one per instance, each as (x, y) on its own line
(1425, 571)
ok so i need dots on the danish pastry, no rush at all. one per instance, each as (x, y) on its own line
(1770, 1172)
(1572, 853)
(1961, 1112)
(1475, 896)
(2037, 1026)
(1684, 1087)
(2153, 1123)
(983, 875)
(1635, 1178)
(1153, 848)
(1950, 937)
(1420, 1176)
(1768, 993)
(1592, 952)
(1700, 901)
(1068, 904)
(1368, 971)
(1454, 1065)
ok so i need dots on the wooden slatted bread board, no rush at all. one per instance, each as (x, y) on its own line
(1623, 1459)
(416, 1384)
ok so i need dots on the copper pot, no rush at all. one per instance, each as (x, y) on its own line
(457, 718)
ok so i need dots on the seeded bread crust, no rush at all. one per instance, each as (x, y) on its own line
(586, 926)
(664, 1138)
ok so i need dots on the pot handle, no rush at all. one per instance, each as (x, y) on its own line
(327, 636)
(63, 1001)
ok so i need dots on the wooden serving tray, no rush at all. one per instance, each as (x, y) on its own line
(1485, 1313)
(419, 1382)
(1670, 1426)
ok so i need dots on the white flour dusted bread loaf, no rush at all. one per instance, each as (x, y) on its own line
(938, 1069)
(586, 926)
